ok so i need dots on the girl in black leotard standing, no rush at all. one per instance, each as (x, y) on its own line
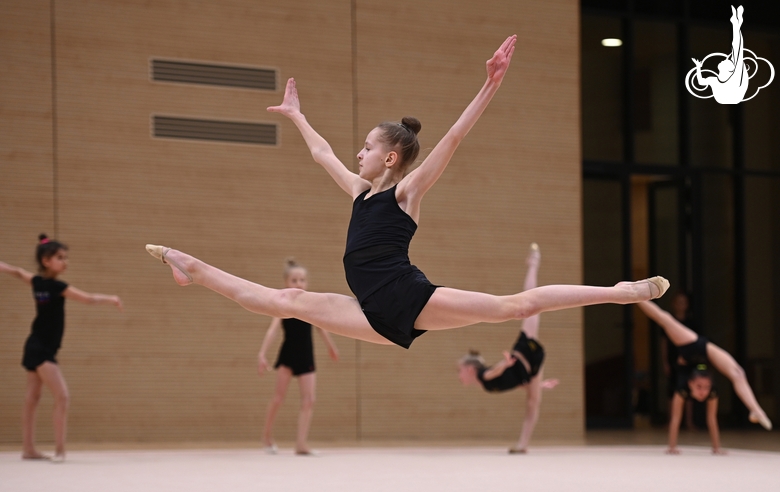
(395, 301)
(44, 341)
(696, 357)
(522, 367)
(296, 359)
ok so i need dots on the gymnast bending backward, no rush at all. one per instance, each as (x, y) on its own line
(520, 368)
(696, 357)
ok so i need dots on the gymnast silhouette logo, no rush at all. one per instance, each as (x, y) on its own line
(730, 84)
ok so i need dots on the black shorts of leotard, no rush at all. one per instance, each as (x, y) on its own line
(35, 354)
(392, 309)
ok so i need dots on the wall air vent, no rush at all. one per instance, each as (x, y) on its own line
(222, 131)
(210, 74)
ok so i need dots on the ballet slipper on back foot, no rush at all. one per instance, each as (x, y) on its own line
(180, 275)
(761, 419)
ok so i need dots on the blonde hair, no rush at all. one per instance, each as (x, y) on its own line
(290, 264)
(472, 359)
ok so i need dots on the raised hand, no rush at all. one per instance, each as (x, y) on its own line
(549, 383)
(509, 359)
(697, 62)
(290, 105)
(116, 301)
(499, 63)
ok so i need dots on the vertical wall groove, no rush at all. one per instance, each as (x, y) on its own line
(355, 140)
(55, 197)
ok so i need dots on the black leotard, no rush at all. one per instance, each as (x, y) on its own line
(695, 356)
(49, 323)
(516, 374)
(297, 350)
(392, 292)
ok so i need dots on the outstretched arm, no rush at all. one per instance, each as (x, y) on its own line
(332, 350)
(678, 402)
(419, 181)
(320, 149)
(16, 272)
(87, 298)
(701, 80)
(270, 336)
(712, 425)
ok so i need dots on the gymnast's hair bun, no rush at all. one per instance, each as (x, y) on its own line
(412, 123)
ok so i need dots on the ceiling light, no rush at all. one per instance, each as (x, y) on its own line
(611, 42)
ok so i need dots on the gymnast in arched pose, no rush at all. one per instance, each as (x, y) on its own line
(697, 356)
(520, 368)
(395, 302)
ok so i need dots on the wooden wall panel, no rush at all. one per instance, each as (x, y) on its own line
(26, 189)
(179, 364)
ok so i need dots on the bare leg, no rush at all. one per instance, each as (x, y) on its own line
(452, 308)
(31, 399)
(677, 332)
(335, 313)
(308, 385)
(52, 377)
(725, 363)
(283, 377)
(531, 324)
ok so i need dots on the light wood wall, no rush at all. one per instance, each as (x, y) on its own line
(179, 364)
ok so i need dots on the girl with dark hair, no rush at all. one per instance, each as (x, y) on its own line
(520, 368)
(295, 359)
(44, 341)
(696, 357)
(395, 302)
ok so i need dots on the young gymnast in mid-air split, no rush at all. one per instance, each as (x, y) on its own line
(696, 356)
(522, 367)
(40, 349)
(296, 359)
(395, 302)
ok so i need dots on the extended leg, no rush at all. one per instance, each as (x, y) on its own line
(677, 332)
(308, 384)
(31, 399)
(283, 377)
(51, 376)
(531, 324)
(452, 308)
(335, 313)
(725, 363)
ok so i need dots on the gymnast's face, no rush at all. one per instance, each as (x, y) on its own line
(467, 374)
(373, 157)
(700, 388)
(296, 279)
(56, 263)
